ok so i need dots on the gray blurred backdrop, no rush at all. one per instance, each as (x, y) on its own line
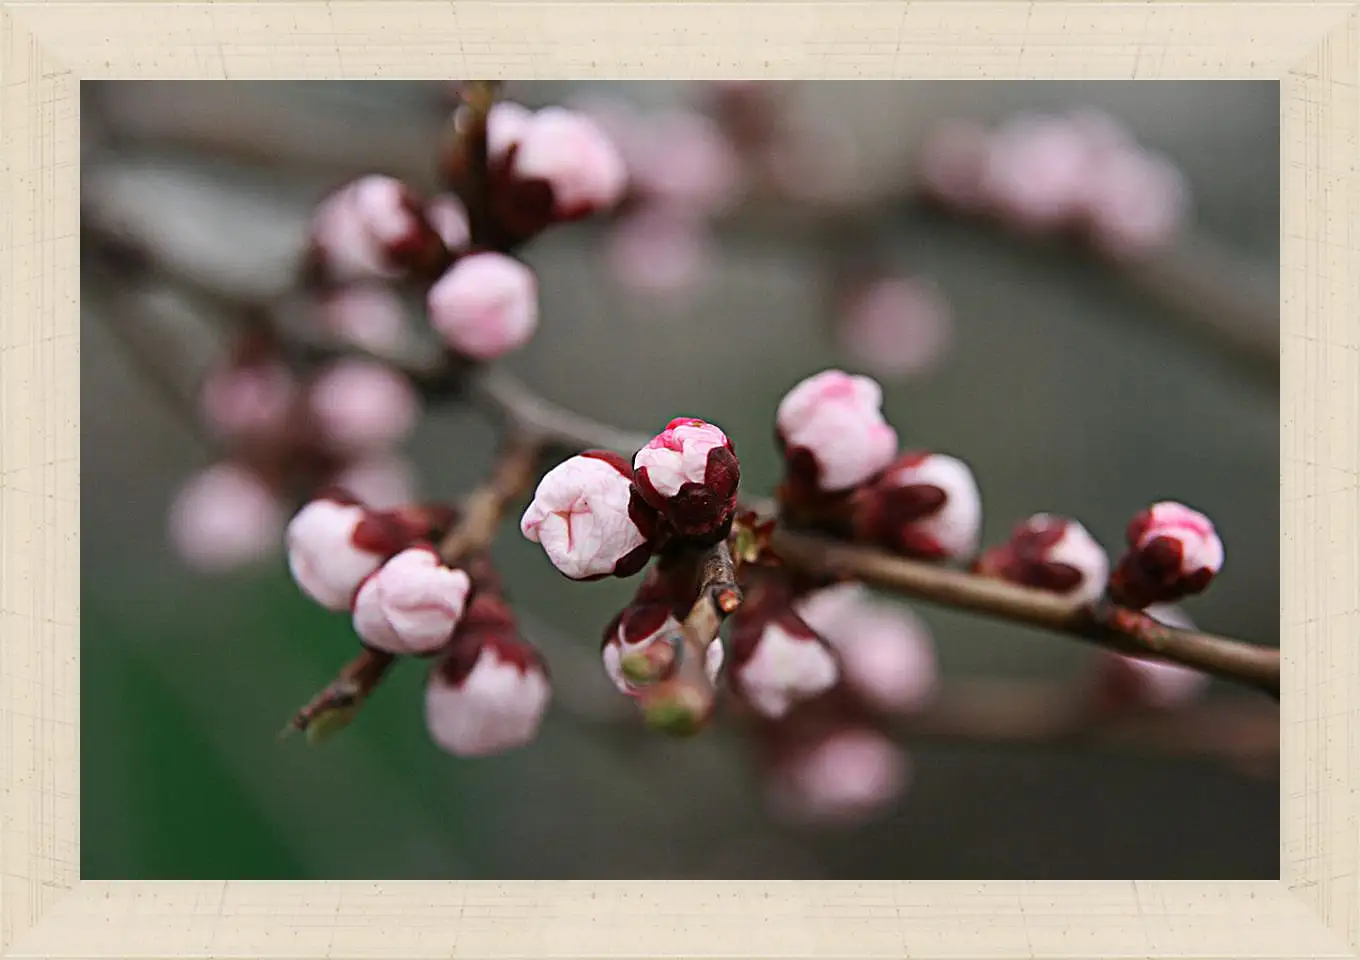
(1065, 387)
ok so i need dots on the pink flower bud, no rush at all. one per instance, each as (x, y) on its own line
(1136, 203)
(587, 518)
(449, 218)
(371, 229)
(486, 697)
(363, 405)
(657, 251)
(330, 553)
(924, 505)
(1173, 552)
(895, 327)
(249, 401)
(831, 426)
(1131, 683)
(381, 482)
(412, 604)
(369, 317)
(682, 159)
(485, 306)
(847, 776)
(778, 663)
(505, 126)
(647, 632)
(225, 517)
(1051, 553)
(573, 156)
(953, 162)
(886, 653)
(1037, 172)
(690, 473)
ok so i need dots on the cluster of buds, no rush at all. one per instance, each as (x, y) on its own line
(1080, 173)
(339, 427)
(487, 690)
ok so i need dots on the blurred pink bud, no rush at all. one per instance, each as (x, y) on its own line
(381, 482)
(449, 218)
(654, 250)
(585, 516)
(683, 159)
(1173, 552)
(225, 517)
(647, 631)
(886, 652)
(1051, 553)
(780, 663)
(1136, 203)
(485, 306)
(326, 553)
(363, 405)
(836, 421)
(249, 400)
(505, 126)
(815, 164)
(486, 698)
(924, 505)
(571, 153)
(1128, 682)
(367, 228)
(1037, 173)
(895, 326)
(847, 776)
(412, 604)
(370, 317)
(690, 473)
(953, 163)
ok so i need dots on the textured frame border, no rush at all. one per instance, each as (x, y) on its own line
(45, 48)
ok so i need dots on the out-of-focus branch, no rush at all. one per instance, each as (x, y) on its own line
(501, 391)
(514, 472)
(1115, 628)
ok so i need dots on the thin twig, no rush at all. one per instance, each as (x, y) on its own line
(505, 393)
(1124, 631)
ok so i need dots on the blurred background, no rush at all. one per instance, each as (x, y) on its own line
(1074, 377)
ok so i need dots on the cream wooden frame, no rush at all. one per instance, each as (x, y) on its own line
(47, 47)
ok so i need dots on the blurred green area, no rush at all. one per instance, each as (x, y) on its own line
(1064, 390)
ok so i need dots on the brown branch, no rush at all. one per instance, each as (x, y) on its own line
(468, 164)
(557, 425)
(515, 470)
(684, 702)
(1244, 735)
(1124, 631)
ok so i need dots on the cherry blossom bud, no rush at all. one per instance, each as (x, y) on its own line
(953, 162)
(488, 694)
(924, 505)
(485, 306)
(333, 547)
(690, 473)
(363, 405)
(1051, 553)
(380, 482)
(847, 776)
(588, 518)
(640, 646)
(895, 326)
(449, 218)
(832, 429)
(569, 152)
(371, 229)
(506, 123)
(225, 517)
(886, 653)
(1173, 552)
(1037, 172)
(1135, 203)
(412, 604)
(779, 662)
(1124, 682)
(682, 159)
(370, 317)
(655, 251)
(249, 400)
